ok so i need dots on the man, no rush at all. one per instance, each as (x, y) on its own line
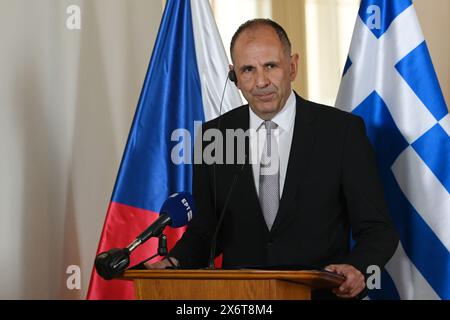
(323, 187)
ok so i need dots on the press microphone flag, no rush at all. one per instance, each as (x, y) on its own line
(176, 212)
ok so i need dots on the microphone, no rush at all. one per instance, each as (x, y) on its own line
(222, 215)
(214, 239)
(232, 77)
(112, 263)
(176, 212)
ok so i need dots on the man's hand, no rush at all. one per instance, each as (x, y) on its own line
(353, 284)
(163, 264)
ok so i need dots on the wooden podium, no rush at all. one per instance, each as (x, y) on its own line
(229, 284)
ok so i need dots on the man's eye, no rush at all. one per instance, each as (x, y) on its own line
(271, 66)
(248, 69)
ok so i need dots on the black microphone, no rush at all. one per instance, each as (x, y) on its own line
(154, 230)
(222, 215)
(176, 212)
(112, 263)
(218, 128)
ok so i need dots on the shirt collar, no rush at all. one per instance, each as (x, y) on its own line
(284, 118)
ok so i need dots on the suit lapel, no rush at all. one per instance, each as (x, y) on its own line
(299, 157)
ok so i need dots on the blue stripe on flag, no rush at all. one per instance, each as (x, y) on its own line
(436, 139)
(386, 10)
(420, 243)
(170, 99)
(417, 70)
(381, 129)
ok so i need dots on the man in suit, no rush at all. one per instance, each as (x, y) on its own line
(301, 193)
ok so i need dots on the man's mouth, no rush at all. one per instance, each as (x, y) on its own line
(266, 97)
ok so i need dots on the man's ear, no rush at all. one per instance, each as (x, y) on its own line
(294, 66)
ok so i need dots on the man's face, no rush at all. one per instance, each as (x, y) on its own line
(264, 70)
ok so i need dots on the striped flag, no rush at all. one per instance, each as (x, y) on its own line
(389, 80)
(184, 84)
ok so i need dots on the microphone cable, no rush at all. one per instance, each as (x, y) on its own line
(218, 127)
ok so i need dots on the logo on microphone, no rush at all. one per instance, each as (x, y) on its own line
(188, 208)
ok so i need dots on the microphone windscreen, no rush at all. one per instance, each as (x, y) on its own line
(112, 263)
(180, 208)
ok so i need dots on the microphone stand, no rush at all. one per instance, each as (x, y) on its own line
(162, 251)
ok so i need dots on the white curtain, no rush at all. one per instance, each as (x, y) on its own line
(329, 27)
(67, 98)
(230, 14)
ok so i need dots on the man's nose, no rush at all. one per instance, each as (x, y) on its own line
(262, 80)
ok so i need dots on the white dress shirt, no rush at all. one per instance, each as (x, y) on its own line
(285, 120)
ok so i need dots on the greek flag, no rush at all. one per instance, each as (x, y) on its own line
(389, 80)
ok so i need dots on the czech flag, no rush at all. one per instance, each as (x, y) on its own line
(183, 87)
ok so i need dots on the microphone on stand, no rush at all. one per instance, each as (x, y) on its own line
(176, 212)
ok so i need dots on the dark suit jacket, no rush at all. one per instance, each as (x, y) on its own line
(331, 188)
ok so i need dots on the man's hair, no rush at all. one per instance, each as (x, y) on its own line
(251, 24)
